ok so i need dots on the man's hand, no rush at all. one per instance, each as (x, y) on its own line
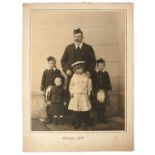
(69, 72)
(65, 103)
(48, 102)
(88, 74)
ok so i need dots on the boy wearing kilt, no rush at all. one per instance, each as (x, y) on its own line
(101, 89)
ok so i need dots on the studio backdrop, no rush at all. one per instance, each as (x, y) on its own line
(52, 30)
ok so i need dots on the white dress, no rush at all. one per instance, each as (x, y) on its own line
(80, 87)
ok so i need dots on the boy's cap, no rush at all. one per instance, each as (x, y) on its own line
(77, 63)
(100, 61)
(50, 58)
(78, 30)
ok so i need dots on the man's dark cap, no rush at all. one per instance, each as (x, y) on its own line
(78, 30)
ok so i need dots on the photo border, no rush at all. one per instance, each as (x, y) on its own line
(27, 68)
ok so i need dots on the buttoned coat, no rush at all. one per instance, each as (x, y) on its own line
(101, 80)
(57, 99)
(71, 55)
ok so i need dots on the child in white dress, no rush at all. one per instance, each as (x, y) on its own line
(80, 89)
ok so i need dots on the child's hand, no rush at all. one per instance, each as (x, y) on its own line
(65, 103)
(69, 72)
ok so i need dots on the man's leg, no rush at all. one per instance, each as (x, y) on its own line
(78, 118)
(88, 119)
(85, 120)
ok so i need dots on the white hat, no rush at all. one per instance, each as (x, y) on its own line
(78, 63)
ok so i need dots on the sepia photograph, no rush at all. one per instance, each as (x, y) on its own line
(78, 72)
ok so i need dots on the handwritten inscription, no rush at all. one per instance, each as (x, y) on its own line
(73, 138)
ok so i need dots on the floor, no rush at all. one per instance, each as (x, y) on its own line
(113, 123)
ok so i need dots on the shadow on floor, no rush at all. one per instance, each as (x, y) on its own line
(113, 123)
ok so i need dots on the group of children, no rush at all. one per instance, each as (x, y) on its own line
(81, 89)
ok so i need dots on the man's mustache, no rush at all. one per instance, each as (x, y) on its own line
(77, 40)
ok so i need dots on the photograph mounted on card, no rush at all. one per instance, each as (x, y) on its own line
(77, 77)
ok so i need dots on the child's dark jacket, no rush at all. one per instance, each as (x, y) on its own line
(57, 99)
(48, 78)
(101, 80)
